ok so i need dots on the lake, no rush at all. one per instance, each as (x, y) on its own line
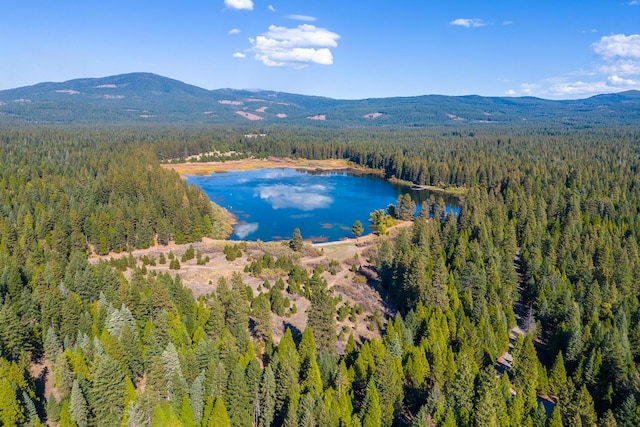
(270, 203)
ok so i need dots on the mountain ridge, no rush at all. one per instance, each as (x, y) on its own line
(147, 97)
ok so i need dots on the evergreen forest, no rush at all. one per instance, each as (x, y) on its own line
(541, 265)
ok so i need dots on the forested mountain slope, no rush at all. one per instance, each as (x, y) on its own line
(149, 98)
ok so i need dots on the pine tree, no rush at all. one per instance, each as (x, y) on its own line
(357, 228)
(131, 346)
(296, 242)
(156, 387)
(52, 345)
(253, 376)
(556, 418)
(525, 370)
(130, 392)
(587, 410)
(406, 207)
(449, 418)
(277, 300)
(215, 322)
(310, 377)
(186, 413)
(238, 398)
(485, 408)
(262, 317)
(13, 336)
(422, 418)
(417, 372)
(218, 381)
(439, 280)
(171, 361)
(267, 397)
(291, 417)
(10, 409)
(389, 385)
(72, 311)
(196, 396)
(371, 412)
(627, 412)
(539, 416)
(219, 416)
(63, 374)
(135, 416)
(306, 411)
(322, 319)
(343, 392)
(558, 375)
(237, 311)
(108, 392)
(177, 387)
(462, 386)
(78, 406)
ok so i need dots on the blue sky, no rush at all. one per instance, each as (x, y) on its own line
(342, 49)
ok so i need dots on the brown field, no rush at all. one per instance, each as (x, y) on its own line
(270, 162)
(353, 287)
(249, 116)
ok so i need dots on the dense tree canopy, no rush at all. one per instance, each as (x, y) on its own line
(547, 240)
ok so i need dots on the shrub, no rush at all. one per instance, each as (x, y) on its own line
(232, 252)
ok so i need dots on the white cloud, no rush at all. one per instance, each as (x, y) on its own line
(618, 46)
(621, 54)
(617, 69)
(271, 8)
(578, 88)
(507, 22)
(563, 88)
(619, 81)
(634, 3)
(469, 23)
(239, 55)
(239, 4)
(301, 18)
(529, 89)
(234, 31)
(295, 47)
(621, 68)
(583, 72)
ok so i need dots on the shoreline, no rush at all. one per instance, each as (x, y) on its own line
(458, 192)
(363, 240)
(328, 165)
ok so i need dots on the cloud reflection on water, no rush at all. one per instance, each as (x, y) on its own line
(243, 230)
(279, 173)
(303, 197)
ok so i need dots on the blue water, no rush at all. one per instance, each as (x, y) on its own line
(270, 203)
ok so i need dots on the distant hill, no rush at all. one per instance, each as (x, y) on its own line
(149, 98)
